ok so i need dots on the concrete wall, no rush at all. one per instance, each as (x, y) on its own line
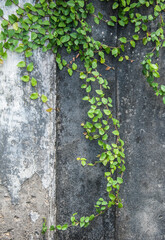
(39, 174)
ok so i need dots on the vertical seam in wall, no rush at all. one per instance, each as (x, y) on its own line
(55, 198)
(117, 109)
(56, 130)
(52, 209)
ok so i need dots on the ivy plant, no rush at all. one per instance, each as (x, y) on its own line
(52, 25)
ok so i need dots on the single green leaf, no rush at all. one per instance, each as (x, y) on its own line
(88, 89)
(105, 137)
(21, 64)
(112, 196)
(5, 23)
(59, 227)
(71, 3)
(20, 11)
(107, 112)
(65, 38)
(8, 3)
(115, 5)
(30, 67)
(74, 66)
(52, 5)
(123, 39)
(120, 205)
(25, 78)
(33, 36)
(1, 12)
(70, 71)
(44, 98)
(83, 163)
(28, 53)
(119, 180)
(132, 43)
(33, 82)
(104, 100)
(64, 227)
(163, 88)
(15, 26)
(19, 49)
(34, 96)
(116, 132)
(96, 20)
(103, 156)
(100, 92)
(52, 228)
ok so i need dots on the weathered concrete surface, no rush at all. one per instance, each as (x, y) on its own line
(24, 220)
(142, 120)
(79, 188)
(27, 151)
(27, 148)
(142, 126)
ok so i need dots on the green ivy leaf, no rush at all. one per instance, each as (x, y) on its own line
(52, 5)
(136, 37)
(59, 227)
(74, 66)
(123, 39)
(1, 12)
(52, 228)
(116, 132)
(30, 67)
(105, 137)
(119, 180)
(28, 53)
(64, 227)
(44, 98)
(110, 23)
(96, 20)
(120, 205)
(19, 49)
(83, 163)
(132, 43)
(88, 89)
(20, 11)
(107, 112)
(157, 8)
(115, 5)
(70, 71)
(71, 3)
(33, 36)
(33, 82)
(16, 2)
(21, 64)
(25, 78)
(114, 18)
(163, 88)
(100, 92)
(103, 156)
(34, 96)
(65, 38)
(8, 3)
(15, 26)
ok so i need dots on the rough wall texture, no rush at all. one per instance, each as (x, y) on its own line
(27, 152)
(37, 182)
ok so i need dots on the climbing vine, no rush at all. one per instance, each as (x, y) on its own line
(51, 25)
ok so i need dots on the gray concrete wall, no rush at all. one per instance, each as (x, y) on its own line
(39, 174)
(27, 148)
